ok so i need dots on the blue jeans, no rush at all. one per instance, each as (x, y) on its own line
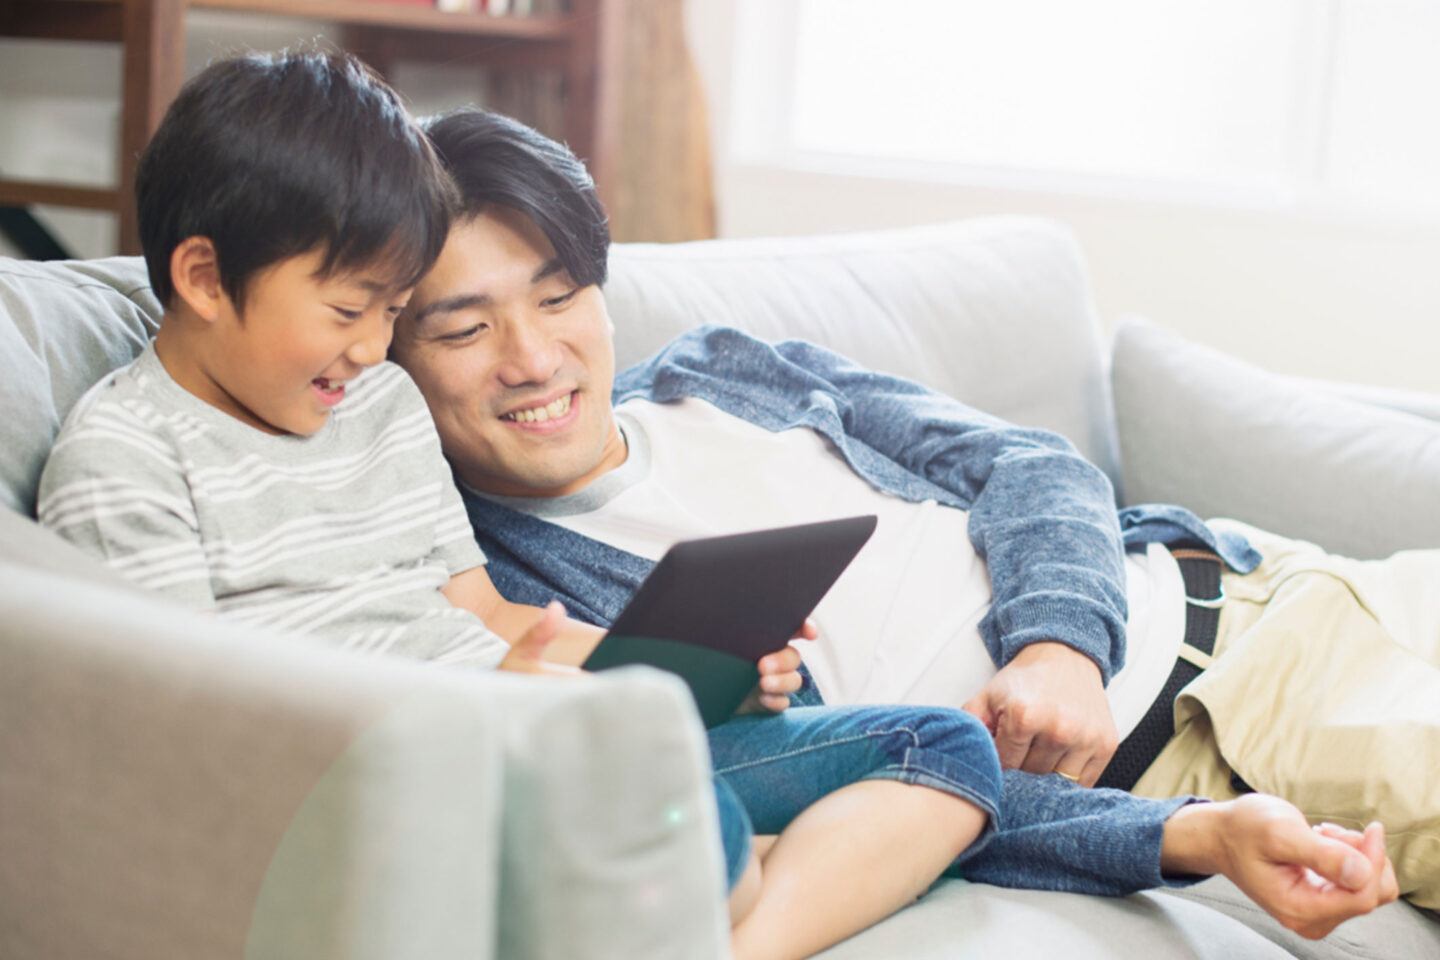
(770, 768)
(1044, 832)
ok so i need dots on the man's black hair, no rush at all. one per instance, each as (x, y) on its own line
(273, 156)
(494, 160)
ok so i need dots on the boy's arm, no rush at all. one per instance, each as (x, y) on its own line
(120, 496)
(473, 590)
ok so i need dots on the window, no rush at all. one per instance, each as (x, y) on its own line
(1279, 99)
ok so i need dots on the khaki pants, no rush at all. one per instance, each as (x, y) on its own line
(1325, 690)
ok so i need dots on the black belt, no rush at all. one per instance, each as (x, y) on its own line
(1200, 570)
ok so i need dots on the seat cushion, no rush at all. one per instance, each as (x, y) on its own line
(63, 326)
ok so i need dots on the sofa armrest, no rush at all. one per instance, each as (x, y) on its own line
(171, 785)
(1225, 438)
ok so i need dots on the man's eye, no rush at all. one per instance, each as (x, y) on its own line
(561, 300)
(465, 334)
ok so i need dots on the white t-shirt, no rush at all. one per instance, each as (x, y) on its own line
(901, 623)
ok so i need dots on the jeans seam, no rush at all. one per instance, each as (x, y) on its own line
(914, 738)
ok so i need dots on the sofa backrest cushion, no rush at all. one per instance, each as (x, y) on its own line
(1228, 439)
(63, 326)
(996, 312)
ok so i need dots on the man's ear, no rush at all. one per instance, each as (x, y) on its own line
(195, 275)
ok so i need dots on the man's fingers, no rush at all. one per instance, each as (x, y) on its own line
(781, 661)
(808, 630)
(1335, 860)
(1090, 773)
(1013, 743)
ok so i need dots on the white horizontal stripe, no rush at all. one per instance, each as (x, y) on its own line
(252, 474)
(164, 583)
(308, 535)
(370, 390)
(155, 554)
(102, 505)
(161, 455)
(337, 605)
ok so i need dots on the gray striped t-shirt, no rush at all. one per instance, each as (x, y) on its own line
(346, 535)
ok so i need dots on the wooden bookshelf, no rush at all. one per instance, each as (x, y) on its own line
(582, 45)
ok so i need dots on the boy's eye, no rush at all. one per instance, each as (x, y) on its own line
(347, 314)
(561, 300)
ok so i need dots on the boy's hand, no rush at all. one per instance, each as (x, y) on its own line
(779, 676)
(527, 655)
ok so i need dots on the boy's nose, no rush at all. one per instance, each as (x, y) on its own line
(371, 349)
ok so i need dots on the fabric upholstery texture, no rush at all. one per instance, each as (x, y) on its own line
(995, 312)
(176, 786)
(1227, 439)
(62, 327)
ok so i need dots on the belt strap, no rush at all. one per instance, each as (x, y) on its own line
(1200, 571)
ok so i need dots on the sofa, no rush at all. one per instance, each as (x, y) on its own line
(171, 786)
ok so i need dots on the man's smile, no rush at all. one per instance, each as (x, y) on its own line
(547, 416)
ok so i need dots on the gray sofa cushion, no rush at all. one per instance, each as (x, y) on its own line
(995, 311)
(62, 327)
(1227, 439)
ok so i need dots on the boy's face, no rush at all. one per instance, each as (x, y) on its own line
(284, 365)
(515, 361)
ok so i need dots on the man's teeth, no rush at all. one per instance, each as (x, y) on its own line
(557, 408)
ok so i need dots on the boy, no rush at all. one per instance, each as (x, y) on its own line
(287, 206)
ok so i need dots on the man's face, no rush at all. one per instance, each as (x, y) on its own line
(515, 361)
(282, 365)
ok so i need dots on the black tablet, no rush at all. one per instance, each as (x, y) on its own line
(712, 608)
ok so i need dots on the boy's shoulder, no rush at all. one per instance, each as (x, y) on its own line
(380, 394)
(119, 426)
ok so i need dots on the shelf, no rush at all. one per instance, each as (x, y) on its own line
(376, 13)
(21, 193)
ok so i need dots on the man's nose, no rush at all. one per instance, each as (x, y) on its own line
(531, 354)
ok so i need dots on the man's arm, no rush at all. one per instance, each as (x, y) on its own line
(1041, 517)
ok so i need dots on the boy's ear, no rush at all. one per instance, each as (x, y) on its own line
(195, 275)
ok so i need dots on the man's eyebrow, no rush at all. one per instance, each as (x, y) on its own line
(461, 301)
(547, 270)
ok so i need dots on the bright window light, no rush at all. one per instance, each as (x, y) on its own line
(1150, 88)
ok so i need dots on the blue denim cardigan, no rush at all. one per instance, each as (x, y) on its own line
(1041, 516)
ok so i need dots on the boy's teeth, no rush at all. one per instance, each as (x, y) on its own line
(556, 408)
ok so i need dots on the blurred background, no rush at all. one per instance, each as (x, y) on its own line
(1260, 175)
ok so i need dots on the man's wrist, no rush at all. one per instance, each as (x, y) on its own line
(1050, 650)
(1194, 840)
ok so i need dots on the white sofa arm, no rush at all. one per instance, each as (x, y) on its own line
(1225, 438)
(173, 786)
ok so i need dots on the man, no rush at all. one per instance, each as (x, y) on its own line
(999, 557)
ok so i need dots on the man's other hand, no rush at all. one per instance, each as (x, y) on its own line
(1309, 879)
(779, 676)
(1047, 711)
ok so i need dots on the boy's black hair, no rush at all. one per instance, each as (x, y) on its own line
(493, 159)
(273, 156)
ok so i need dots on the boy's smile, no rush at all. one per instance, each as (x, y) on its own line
(282, 364)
